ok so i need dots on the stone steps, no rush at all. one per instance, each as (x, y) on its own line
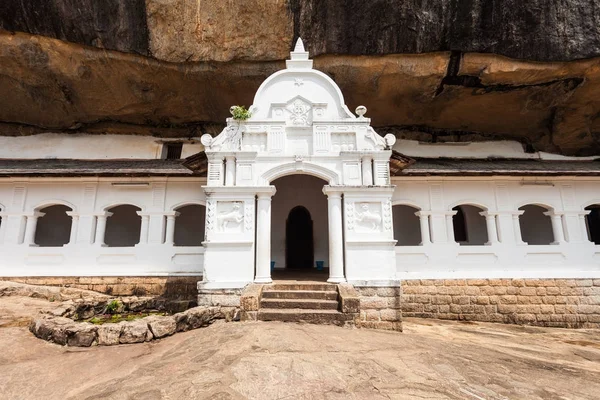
(314, 304)
(323, 287)
(308, 302)
(299, 294)
(302, 315)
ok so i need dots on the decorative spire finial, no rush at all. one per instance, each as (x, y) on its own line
(299, 46)
(299, 57)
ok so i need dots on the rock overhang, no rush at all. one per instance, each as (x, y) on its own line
(53, 86)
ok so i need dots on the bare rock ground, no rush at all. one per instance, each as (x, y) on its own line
(430, 359)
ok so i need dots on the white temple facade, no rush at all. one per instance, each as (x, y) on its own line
(302, 183)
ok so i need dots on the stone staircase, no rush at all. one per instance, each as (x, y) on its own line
(317, 303)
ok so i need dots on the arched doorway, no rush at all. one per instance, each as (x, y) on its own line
(299, 239)
(299, 228)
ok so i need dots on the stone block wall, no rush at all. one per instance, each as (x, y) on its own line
(184, 287)
(568, 303)
(380, 307)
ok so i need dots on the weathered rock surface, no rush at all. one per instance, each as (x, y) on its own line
(208, 30)
(65, 331)
(111, 24)
(161, 326)
(431, 359)
(174, 67)
(135, 332)
(82, 334)
(108, 334)
(49, 85)
(185, 30)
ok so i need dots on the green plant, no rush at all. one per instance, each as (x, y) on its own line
(96, 321)
(240, 113)
(113, 306)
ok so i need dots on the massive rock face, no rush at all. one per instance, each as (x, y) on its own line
(433, 71)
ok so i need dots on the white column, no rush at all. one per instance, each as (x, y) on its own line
(490, 223)
(170, 232)
(74, 227)
(101, 228)
(557, 227)
(229, 171)
(367, 171)
(144, 227)
(450, 226)
(517, 227)
(263, 238)
(583, 227)
(424, 222)
(336, 239)
(30, 228)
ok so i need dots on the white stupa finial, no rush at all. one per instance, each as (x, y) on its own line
(299, 57)
(299, 46)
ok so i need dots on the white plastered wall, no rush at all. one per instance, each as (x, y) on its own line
(509, 257)
(90, 198)
(90, 147)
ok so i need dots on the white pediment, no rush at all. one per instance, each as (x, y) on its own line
(299, 118)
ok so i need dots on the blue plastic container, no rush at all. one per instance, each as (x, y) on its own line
(320, 265)
(272, 265)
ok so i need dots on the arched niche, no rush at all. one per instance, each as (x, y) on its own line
(123, 226)
(469, 226)
(54, 227)
(536, 227)
(189, 225)
(407, 227)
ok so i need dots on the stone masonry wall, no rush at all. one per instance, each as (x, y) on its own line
(166, 286)
(569, 303)
(380, 307)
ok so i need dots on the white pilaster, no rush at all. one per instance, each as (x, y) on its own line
(74, 227)
(101, 228)
(557, 227)
(336, 245)
(229, 170)
(517, 227)
(144, 227)
(263, 238)
(31, 227)
(424, 222)
(450, 226)
(367, 170)
(490, 223)
(583, 227)
(170, 232)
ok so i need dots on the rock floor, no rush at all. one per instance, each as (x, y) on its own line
(263, 360)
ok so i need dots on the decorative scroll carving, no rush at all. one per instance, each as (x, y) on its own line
(210, 215)
(387, 215)
(248, 216)
(350, 216)
(368, 217)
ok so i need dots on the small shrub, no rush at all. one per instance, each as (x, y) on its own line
(113, 306)
(240, 113)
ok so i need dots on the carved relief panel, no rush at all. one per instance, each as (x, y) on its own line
(230, 216)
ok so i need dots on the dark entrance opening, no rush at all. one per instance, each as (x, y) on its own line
(593, 223)
(299, 244)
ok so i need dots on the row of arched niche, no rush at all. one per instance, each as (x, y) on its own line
(124, 225)
(470, 227)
